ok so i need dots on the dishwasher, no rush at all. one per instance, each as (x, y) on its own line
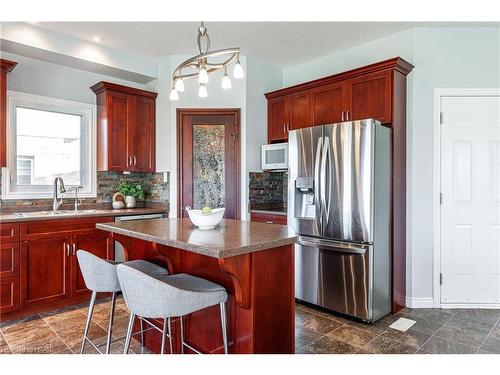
(119, 251)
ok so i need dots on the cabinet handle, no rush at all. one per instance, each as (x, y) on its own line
(135, 160)
(284, 127)
(347, 115)
(269, 222)
(74, 248)
(129, 161)
(288, 127)
(342, 116)
(67, 249)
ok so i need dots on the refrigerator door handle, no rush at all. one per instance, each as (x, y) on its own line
(324, 176)
(340, 247)
(317, 177)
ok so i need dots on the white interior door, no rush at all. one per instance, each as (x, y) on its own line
(470, 210)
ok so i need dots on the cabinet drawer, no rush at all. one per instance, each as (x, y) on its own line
(9, 259)
(9, 232)
(9, 294)
(41, 229)
(268, 218)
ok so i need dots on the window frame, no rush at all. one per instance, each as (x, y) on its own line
(88, 145)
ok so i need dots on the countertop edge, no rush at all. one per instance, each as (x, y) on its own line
(218, 254)
(110, 212)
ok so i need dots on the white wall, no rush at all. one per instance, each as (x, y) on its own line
(443, 57)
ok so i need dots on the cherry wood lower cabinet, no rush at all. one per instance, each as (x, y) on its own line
(9, 268)
(98, 244)
(39, 269)
(45, 271)
(9, 294)
(268, 218)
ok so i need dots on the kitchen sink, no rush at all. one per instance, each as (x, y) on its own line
(54, 213)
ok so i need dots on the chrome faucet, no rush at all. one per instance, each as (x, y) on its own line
(58, 202)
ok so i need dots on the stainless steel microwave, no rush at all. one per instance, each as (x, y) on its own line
(275, 156)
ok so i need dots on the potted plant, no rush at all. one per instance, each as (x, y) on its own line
(131, 191)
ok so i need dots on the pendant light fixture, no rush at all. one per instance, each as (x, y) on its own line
(202, 65)
(226, 81)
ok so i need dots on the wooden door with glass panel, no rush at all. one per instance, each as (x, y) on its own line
(208, 143)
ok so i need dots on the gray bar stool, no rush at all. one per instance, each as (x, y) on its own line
(165, 296)
(100, 277)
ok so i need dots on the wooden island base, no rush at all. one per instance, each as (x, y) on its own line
(260, 308)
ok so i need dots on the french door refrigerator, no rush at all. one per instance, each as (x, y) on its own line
(339, 203)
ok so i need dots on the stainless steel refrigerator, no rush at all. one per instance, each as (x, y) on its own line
(339, 203)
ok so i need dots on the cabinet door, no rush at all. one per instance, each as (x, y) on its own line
(143, 136)
(9, 259)
(328, 103)
(9, 294)
(44, 271)
(370, 97)
(276, 119)
(297, 106)
(97, 244)
(119, 143)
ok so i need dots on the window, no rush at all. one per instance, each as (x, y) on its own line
(48, 138)
(24, 170)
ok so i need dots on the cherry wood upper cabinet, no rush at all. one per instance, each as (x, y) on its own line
(370, 96)
(5, 67)
(276, 119)
(328, 103)
(125, 129)
(297, 108)
(287, 113)
(120, 147)
(144, 138)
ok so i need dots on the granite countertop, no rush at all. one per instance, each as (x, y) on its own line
(230, 238)
(10, 217)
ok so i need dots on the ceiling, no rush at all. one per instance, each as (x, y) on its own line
(284, 43)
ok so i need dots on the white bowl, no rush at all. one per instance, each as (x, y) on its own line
(206, 221)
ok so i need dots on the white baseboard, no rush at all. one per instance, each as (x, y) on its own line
(420, 302)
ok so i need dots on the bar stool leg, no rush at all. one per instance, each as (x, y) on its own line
(89, 319)
(170, 336)
(223, 320)
(111, 318)
(142, 334)
(129, 333)
(163, 335)
(182, 334)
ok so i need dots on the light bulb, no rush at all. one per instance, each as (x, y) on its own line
(174, 96)
(203, 75)
(202, 91)
(226, 82)
(179, 85)
(238, 71)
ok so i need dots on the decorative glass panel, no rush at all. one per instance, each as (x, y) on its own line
(208, 166)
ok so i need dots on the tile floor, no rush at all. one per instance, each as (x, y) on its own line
(317, 332)
(440, 331)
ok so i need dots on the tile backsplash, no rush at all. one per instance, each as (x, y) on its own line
(155, 190)
(268, 191)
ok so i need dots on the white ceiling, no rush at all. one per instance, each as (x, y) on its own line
(284, 43)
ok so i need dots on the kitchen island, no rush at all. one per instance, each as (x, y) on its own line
(253, 261)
